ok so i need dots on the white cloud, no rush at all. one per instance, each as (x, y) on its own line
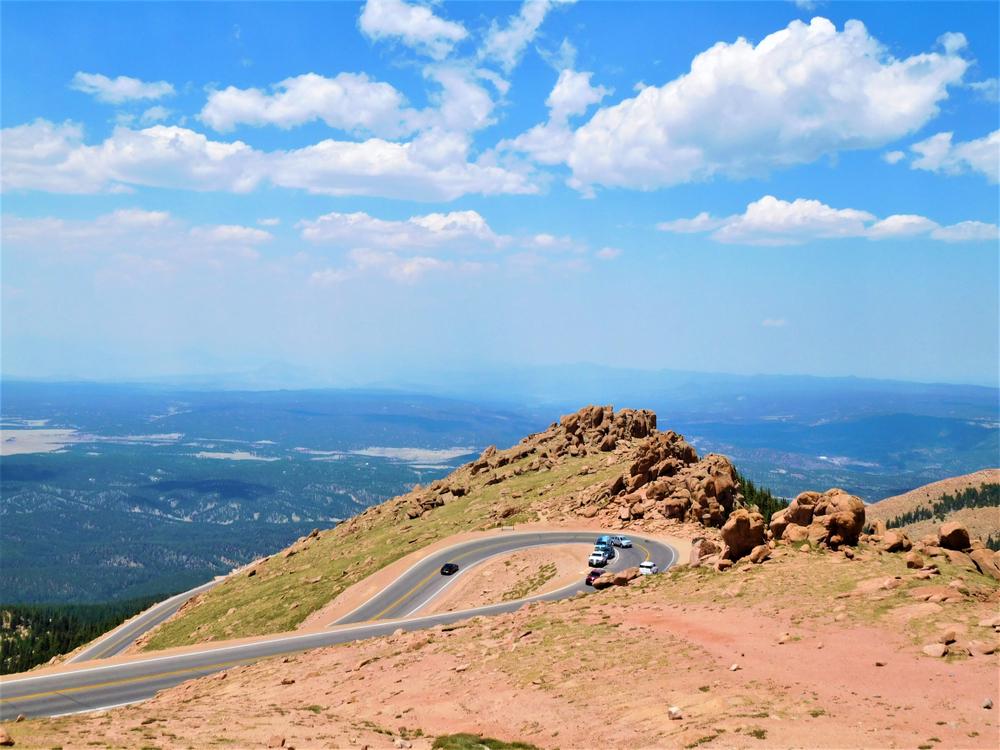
(155, 114)
(507, 44)
(966, 231)
(552, 141)
(893, 157)
(900, 225)
(700, 223)
(987, 91)
(608, 253)
(269, 222)
(744, 110)
(133, 232)
(415, 25)
(549, 243)
(775, 323)
(433, 166)
(351, 102)
(44, 156)
(228, 233)
(119, 90)
(459, 229)
(406, 270)
(72, 235)
(572, 95)
(328, 278)
(938, 154)
(770, 221)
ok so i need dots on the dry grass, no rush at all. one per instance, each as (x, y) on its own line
(278, 598)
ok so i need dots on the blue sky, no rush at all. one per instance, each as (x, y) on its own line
(368, 190)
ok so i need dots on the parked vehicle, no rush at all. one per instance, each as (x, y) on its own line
(593, 576)
(449, 569)
(648, 568)
(622, 541)
(598, 559)
(605, 548)
(604, 540)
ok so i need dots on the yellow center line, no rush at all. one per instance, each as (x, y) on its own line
(154, 676)
(410, 592)
(644, 550)
(131, 630)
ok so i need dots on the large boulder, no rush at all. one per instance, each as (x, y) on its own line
(799, 513)
(896, 540)
(742, 532)
(629, 574)
(795, 534)
(985, 560)
(702, 548)
(833, 519)
(607, 580)
(953, 536)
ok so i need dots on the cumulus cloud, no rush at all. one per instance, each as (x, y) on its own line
(775, 323)
(743, 110)
(939, 154)
(608, 253)
(770, 221)
(506, 44)
(552, 142)
(458, 229)
(893, 157)
(416, 26)
(349, 101)
(269, 222)
(121, 89)
(900, 225)
(433, 166)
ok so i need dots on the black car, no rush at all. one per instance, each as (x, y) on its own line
(449, 569)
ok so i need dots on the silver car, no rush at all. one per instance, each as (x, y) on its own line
(648, 568)
(621, 541)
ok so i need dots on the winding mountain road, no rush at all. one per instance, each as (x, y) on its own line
(81, 686)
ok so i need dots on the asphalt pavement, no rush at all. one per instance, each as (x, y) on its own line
(85, 687)
(124, 636)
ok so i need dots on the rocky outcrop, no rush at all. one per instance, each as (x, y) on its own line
(830, 520)
(665, 479)
(742, 533)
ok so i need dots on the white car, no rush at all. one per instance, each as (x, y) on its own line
(597, 560)
(648, 568)
(621, 541)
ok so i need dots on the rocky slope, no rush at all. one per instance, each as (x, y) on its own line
(981, 522)
(810, 649)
